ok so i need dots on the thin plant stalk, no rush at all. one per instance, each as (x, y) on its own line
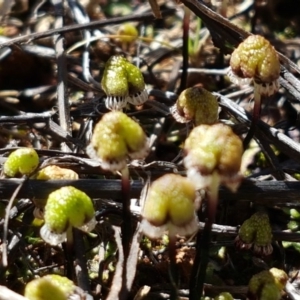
(80, 263)
(203, 240)
(173, 269)
(6, 220)
(185, 48)
(255, 118)
(69, 252)
(126, 225)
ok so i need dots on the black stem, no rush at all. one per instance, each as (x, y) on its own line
(126, 225)
(69, 253)
(185, 49)
(255, 119)
(173, 271)
(202, 250)
(82, 274)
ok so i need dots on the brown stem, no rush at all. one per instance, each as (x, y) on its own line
(255, 118)
(126, 225)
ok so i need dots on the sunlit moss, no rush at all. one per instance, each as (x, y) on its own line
(117, 137)
(197, 105)
(22, 161)
(170, 206)
(66, 207)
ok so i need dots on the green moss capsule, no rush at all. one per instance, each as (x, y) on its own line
(114, 83)
(224, 296)
(255, 58)
(213, 148)
(49, 287)
(128, 33)
(22, 161)
(122, 82)
(137, 93)
(197, 105)
(117, 137)
(66, 207)
(267, 285)
(256, 231)
(170, 206)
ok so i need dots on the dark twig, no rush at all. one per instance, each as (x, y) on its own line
(28, 117)
(126, 225)
(6, 220)
(272, 192)
(62, 97)
(185, 49)
(94, 24)
(81, 270)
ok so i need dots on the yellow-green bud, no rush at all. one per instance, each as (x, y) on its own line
(49, 287)
(66, 207)
(263, 238)
(267, 285)
(128, 33)
(122, 82)
(114, 83)
(256, 231)
(170, 206)
(293, 212)
(293, 225)
(136, 85)
(210, 149)
(224, 296)
(22, 161)
(116, 137)
(196, 104)
(255, 58)
(246, 235)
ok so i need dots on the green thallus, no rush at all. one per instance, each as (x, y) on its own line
(22, 161)
(256, 231)
(67, 207)
(170, 206)
(256, 59)
(117, 137)
(224, 296)
(267, 285)
(51, 287)
(213, 151)
(128, 34)
(123, 83)
(195, 104)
